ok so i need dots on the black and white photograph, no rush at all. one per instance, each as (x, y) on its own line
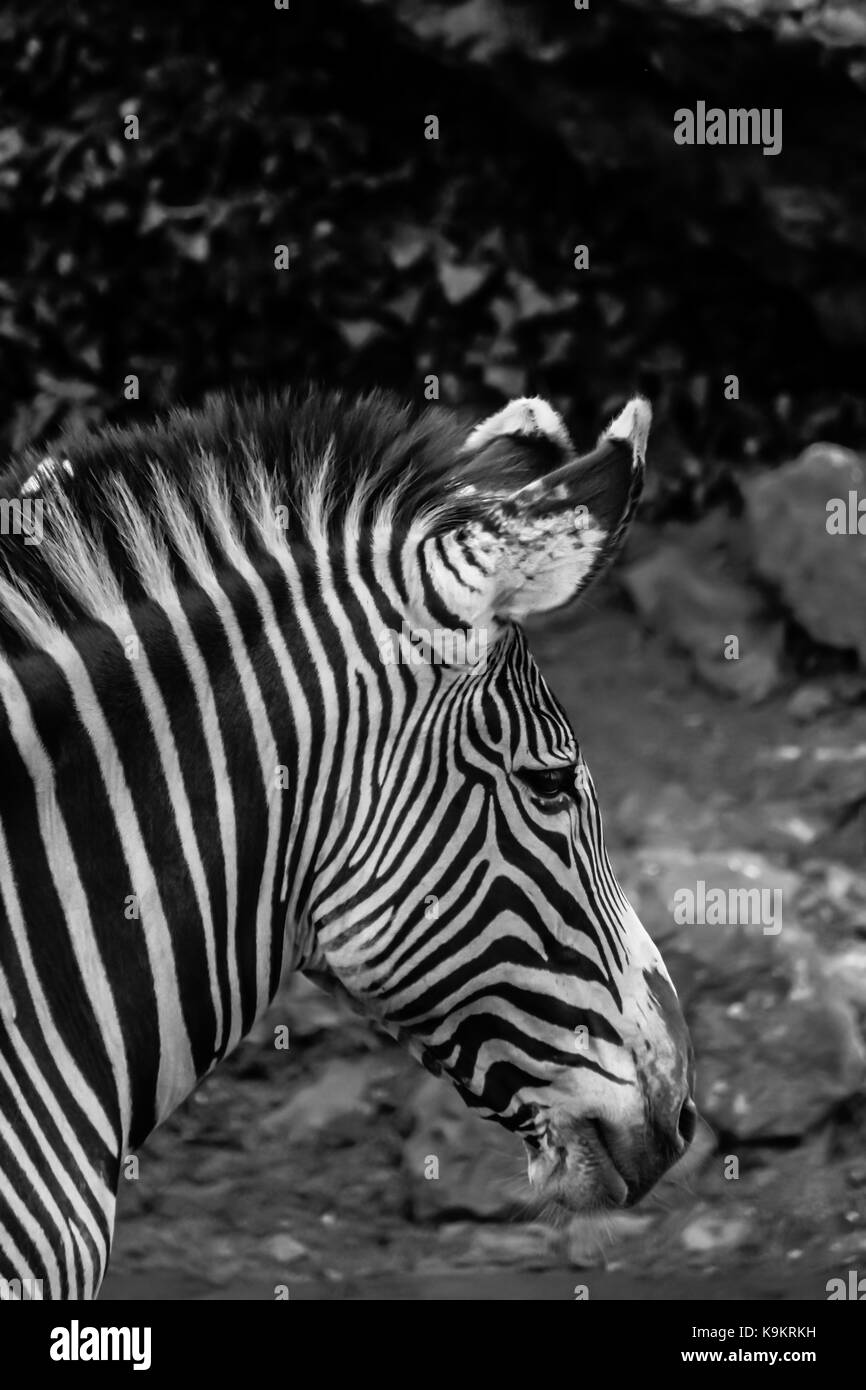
(433, 668)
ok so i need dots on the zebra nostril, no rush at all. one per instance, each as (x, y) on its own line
(688, 1121)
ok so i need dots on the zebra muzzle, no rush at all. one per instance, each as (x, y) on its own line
(576, 1168)
(589, 1163)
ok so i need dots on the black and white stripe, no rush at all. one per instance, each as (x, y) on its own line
(210, 774)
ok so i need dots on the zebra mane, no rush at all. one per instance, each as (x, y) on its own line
(134, 511)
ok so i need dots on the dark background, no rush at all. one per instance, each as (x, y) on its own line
(454, 257)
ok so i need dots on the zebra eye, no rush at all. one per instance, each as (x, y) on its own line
(548, 781)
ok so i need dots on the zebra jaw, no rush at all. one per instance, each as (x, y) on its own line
(320, 974)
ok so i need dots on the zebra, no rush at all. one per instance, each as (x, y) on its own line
(234, 745)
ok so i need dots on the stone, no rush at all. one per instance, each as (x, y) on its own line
(848, 972)
(284, 1248)
(712, 1233)
(820, 575)
(305, 1009)
(774, 1028)
(694, 601)
(456, 1164)
(341, 1089)
(809, 702)
(661, 875)
(589, 1241)
(531, 1246)
(831, 901)
(774, 1067)
(666, 815)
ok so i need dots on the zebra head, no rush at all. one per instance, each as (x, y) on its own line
(464, 896)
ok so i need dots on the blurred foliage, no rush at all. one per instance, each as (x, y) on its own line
(261, 127)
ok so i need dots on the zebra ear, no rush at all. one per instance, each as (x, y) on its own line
(553, 520)
(527, 432)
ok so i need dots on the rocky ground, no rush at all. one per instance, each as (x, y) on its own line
(305, 1168)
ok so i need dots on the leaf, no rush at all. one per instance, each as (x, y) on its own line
(510, 381)
(194, 246)
(531, 301)
(65, 390)
(460, 282)
(480, 29)
(408, 245)
(360, 333)
(405, 305)
(11, 144)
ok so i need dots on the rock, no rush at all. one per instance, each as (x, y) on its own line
(307, 1010)
(284, 1248)
(848, 836)
(832, 901)
(217, 1258)
(797, 1192)
(456, 1163)
(666, 815)
(662, 878)
(809, 702)
(774, 1031)
(532, 1246)
(846, 1252)
(710, 1233)
(847, 970)
(847, 687)
(824, 769)
(856, 1174)
(589, 1241)
(821, 576)
(341, 1089)
(774, 1067)
(778, 827)
(708, 613)
(825, 897)
(310, 1011)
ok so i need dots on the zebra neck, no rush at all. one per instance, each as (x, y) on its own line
(151, 807)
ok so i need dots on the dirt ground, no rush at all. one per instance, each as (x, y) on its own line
(296, 1173)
